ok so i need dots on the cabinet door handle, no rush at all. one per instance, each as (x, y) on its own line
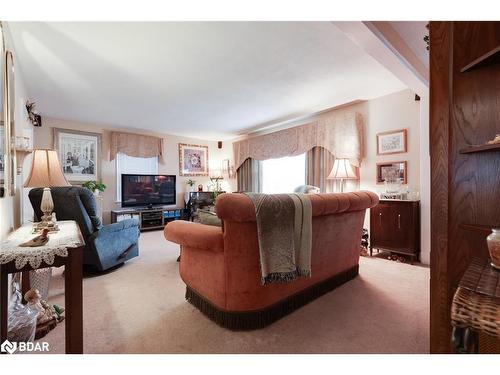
(399, 221)
(380, 218)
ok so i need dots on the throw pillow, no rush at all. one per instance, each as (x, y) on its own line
(209, 218)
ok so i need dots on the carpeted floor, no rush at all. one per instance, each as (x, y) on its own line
(140, 308)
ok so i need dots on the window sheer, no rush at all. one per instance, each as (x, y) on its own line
(283, 175)
(131, 165)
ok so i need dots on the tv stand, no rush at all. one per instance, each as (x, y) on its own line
(149, 217)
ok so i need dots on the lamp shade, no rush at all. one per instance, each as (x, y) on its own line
(341, 170)
(46, 170)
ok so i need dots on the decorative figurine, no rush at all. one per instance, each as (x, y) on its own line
(40, 240)
(45, 312)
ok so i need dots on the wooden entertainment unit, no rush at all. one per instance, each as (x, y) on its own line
(149, 218)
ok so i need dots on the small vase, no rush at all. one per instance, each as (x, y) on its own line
(494, 247)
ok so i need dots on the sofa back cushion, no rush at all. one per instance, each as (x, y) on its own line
(239, 207)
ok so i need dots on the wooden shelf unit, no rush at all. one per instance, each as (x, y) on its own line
(489, 58)
(154, 218)
(475, 227)
(481, 148)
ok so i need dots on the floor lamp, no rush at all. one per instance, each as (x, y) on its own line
(342, 170)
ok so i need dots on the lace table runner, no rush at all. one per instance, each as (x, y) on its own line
(67, 237)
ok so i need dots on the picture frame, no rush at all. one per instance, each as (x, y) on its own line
(193, 160)
(392, 142)
(79, 154)
(396, 169)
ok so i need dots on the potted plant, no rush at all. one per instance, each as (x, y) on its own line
(94, 186)
(190, 183)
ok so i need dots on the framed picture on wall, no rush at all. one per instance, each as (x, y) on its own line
(79, 154)
(193, 160)
(392, 142)
(392, 170)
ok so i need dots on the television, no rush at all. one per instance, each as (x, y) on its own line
(148, 190)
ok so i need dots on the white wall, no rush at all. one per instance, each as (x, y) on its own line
(425, 182)
(43, 138)
(11, 206)
(391, 112)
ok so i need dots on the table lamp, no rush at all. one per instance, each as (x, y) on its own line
(46, 172)
(342, 170)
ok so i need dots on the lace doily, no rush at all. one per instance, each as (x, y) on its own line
(68, 236)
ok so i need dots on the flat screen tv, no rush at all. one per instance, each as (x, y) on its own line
(148, 190)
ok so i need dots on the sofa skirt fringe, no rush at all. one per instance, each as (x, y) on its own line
(251, 320)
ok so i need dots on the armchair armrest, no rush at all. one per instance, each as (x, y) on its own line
(117, 237)
(119, 226)
(199, 236)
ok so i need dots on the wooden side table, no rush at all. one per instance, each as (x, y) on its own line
(476, 306)
(65, 248)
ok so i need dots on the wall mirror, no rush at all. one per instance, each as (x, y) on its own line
(10, 135)
(7, 136)
(3, 141)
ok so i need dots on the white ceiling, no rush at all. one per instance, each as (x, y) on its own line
(211, 80)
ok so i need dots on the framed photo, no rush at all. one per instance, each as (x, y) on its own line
(79, 154)
(392, 142)
(392, 170)
(193, 160)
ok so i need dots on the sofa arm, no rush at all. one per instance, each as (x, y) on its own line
(199, 236)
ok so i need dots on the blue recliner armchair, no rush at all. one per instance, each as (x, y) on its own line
(106, 246)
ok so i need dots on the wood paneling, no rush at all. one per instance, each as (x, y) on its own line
(441, 35)
(465, 188)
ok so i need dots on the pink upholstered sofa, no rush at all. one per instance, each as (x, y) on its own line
(220, 266)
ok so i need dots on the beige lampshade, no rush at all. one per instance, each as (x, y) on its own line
(342, 169)
(46, 170)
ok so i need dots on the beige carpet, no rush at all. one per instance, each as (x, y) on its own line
(140, 308)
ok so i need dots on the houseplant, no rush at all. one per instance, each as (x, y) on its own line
(94, 186)
(190, 183)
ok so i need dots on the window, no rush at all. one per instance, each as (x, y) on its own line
(131, 165)
(283, 175)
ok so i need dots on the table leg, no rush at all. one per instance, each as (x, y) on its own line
(73, 294)
(3, 304)
(25, 283)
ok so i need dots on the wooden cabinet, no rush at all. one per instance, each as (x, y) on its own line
(395, 226)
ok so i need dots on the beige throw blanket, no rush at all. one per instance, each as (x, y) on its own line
(284, 228)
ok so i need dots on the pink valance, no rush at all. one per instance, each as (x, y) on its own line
(341, 134)
(137, 145)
